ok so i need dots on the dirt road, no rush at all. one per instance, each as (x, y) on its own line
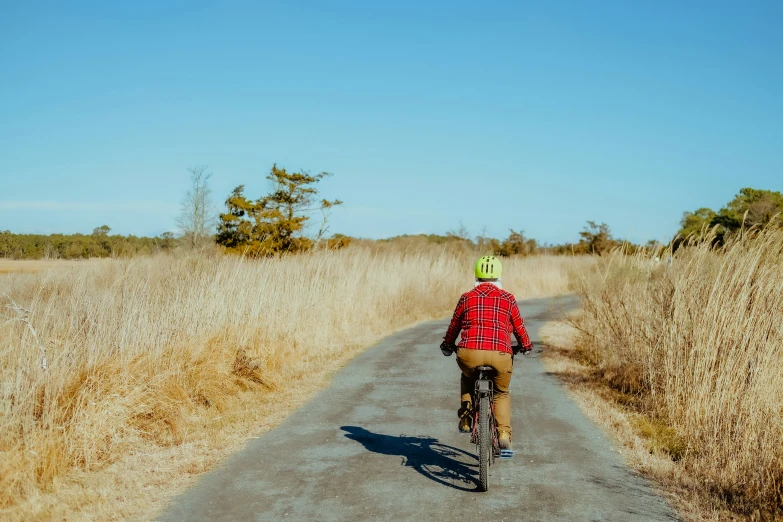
(381, 443)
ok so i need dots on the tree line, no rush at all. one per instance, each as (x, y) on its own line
(81, 246)
(595, 238)
(751, 208)
(276, 223)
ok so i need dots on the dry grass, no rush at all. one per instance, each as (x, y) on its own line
(157, 367)
(694, 350)
(11, 266)
(633, 431)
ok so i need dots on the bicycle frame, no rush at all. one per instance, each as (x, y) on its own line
(485, 387)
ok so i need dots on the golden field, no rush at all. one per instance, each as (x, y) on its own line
(158, 367)
(123, 379)
(11, 266)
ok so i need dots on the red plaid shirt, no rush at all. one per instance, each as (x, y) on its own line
(487, 316)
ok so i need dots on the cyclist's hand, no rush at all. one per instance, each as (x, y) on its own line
(446, 349)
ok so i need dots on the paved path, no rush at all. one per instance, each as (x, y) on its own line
(382, 443)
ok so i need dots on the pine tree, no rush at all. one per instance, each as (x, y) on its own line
(274, 223)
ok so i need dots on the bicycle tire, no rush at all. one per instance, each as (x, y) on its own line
(485, 443)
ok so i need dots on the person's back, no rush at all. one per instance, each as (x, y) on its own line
(486, 316)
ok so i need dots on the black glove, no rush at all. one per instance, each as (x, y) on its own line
(446, 349)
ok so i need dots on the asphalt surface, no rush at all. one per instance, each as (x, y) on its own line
(382, 443)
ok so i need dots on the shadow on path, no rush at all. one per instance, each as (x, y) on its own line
(436, 461)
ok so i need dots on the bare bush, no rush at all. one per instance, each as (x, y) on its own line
(198, 215)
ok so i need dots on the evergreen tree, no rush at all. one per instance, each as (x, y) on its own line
(274, 223)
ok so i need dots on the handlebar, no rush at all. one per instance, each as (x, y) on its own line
(515, 349)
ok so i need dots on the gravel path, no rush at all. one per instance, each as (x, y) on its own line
(381, 443)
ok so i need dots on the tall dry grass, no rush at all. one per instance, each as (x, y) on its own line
(148, 353)
(699, 343)
(8, 266)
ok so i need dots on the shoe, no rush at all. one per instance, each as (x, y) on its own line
(504, 440)
(465, 424)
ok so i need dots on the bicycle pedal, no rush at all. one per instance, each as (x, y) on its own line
(506, 454)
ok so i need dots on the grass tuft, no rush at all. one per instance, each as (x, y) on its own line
(660, 437)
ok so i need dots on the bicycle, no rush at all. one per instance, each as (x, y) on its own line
(485, 430)
(484, 433)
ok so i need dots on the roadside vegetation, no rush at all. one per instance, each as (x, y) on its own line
(690, 353)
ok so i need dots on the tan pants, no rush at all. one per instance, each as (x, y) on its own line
(467, 360)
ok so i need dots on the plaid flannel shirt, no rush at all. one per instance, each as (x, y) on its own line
(487, 315)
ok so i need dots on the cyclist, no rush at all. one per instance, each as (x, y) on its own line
(486, 316)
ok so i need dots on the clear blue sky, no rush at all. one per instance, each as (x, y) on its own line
(531, 115)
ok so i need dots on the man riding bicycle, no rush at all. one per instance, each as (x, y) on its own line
(486, 316)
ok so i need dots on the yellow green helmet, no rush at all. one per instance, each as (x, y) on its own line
(488, 267)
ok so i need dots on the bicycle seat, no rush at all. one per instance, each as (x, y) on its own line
(485, 369)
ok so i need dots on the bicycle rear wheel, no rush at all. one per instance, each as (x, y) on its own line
(484, 443)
